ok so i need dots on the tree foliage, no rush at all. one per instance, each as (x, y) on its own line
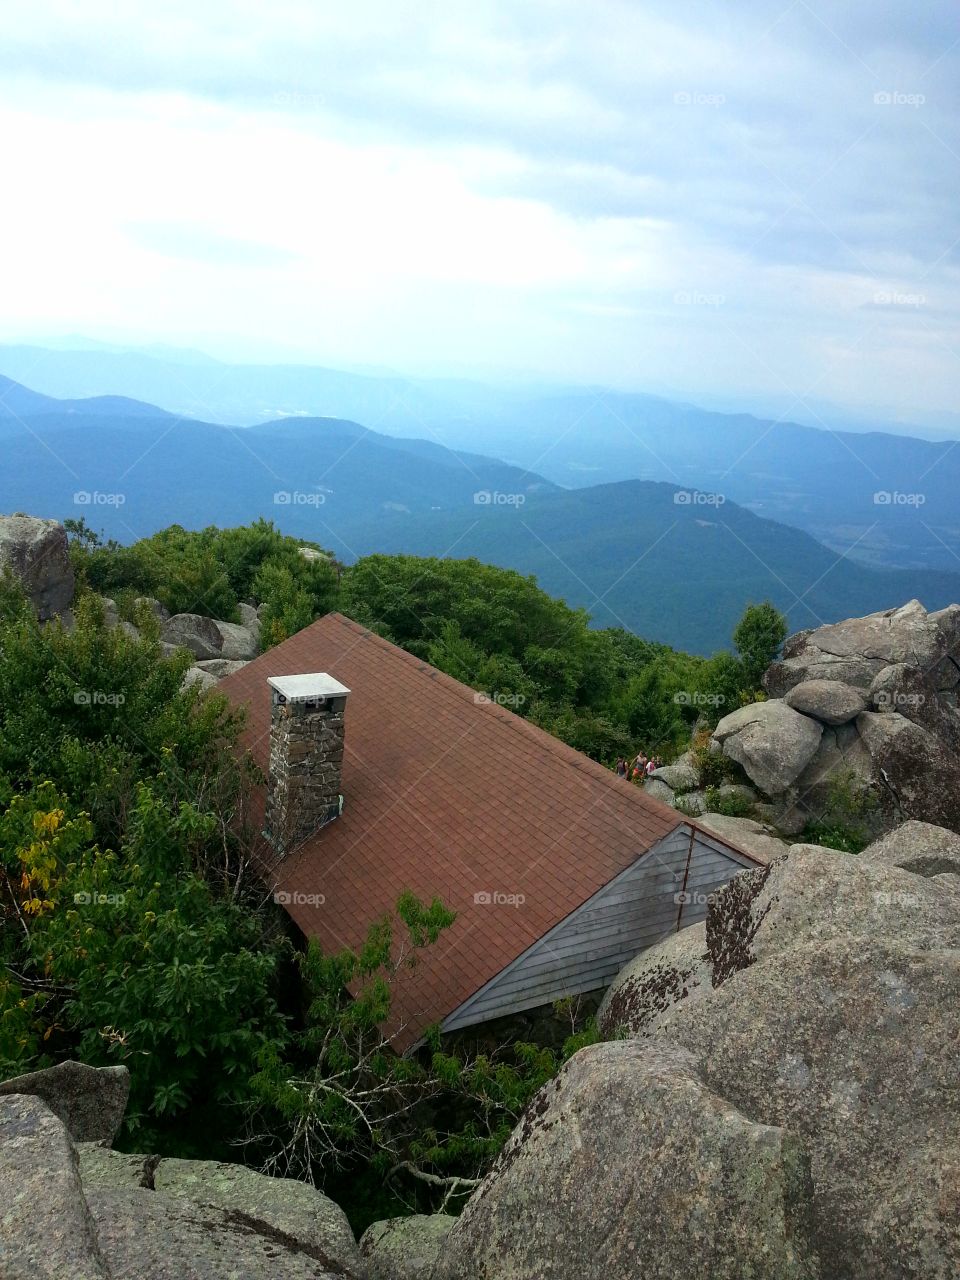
(209, 571)
(758, 637)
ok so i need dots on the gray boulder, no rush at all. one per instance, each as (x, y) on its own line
(772, 742)
(101, 1166)
(35, 552)
(679, 777)
(657, 788)
(46, 1230)
(404, 1248)
(200, 635)
(856, 650)
(219, 667)
(676, 969)
(111, 616)
(831, 701)
(919, 847)
(196, 677)
(284, 1205)
(850, 1043)
(906, 690)
(692, 802)
(90, 1101)
(814, 895)
(737, 790)
(146, 1235)
(919, 771)
(842, 753)
(877, 729)
(112, 1216)
(152, 605)
(627, 1165)
(745, 833)
(238, 643)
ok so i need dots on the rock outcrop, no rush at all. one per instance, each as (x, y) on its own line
(73, 1209)
(47, 1231)
(746, 833)
(814, 1022)
(772, 742)
(679, 968)
(219, 647)
(199, 635)
(869, 704)
(89, 1100)
(404, 1248)
(850, 1044)
(857, 650)
(35, 552)
(628, 1164)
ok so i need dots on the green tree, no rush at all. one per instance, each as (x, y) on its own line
(128, 930)
(758, 638)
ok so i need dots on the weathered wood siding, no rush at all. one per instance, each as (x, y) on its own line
(665, 889)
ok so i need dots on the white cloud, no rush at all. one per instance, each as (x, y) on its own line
(497, 184)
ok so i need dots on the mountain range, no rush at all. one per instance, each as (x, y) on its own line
(885, 499)
(674, 563)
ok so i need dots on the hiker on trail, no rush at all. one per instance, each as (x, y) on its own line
(621, 767)
(651, 765)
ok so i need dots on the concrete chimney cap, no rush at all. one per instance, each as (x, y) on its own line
(307, 688)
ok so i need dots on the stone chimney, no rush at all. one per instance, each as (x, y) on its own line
(306, 757)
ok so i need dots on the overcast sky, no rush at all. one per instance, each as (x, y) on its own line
(745, 198)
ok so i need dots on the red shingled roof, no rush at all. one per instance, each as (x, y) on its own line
(446, 796)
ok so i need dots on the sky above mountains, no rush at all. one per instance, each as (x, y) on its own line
(749, 198)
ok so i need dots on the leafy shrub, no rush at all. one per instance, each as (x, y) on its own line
(848, 821)
(714, 767)
(733, 805)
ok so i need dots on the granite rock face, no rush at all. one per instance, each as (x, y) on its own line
(826, 1003)
(772, 742)
(46, 1229)
(80, 1211)
(404, 1248)
(35, 552)
(676, 969)
(883, 691)
(90, 1101)
(629, 1165)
